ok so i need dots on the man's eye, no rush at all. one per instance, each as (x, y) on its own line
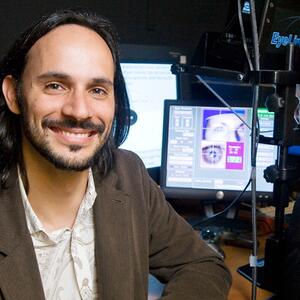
(219, 129)
(98, 91)
(54, 86)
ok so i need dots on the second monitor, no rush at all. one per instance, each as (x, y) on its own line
(148, 84)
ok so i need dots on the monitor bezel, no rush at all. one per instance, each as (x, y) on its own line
(203, 195)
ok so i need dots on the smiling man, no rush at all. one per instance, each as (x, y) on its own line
(79, 218)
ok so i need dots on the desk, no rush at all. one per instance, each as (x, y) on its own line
(241, 287)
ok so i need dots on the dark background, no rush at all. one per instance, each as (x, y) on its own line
(174, 24)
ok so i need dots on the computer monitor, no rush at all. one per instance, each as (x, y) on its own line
(280, 27)
(206, 152)
(224, 50)
(148, 84)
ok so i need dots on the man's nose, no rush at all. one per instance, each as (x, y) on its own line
(232, 136)
(77, 105)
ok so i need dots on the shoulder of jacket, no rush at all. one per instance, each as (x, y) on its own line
(123, 156)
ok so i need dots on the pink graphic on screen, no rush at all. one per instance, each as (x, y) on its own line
(234, 155)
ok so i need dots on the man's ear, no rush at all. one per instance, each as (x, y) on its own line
(9, 89)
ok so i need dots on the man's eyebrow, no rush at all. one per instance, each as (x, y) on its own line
(102, 80)
(59, 75)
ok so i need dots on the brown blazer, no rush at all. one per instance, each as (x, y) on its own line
(137, 232)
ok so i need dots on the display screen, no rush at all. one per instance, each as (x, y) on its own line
(207, 151)
(148, 85)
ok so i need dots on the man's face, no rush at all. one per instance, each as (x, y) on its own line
(67, 97)
(225, 127)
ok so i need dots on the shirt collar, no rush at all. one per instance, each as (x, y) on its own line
(33, 222)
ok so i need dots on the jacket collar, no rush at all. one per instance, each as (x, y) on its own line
(113, 244)
(18, 264)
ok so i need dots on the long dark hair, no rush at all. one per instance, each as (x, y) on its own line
(14, 63)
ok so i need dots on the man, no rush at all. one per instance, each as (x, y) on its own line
(80, 219)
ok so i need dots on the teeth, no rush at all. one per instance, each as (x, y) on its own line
(78, 135)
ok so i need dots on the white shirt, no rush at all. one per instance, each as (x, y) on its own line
(66, 257)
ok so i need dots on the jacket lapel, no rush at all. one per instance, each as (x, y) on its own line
(19, 273)
(112, 241)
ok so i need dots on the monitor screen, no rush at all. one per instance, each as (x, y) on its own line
(148, 85)
(207, 152)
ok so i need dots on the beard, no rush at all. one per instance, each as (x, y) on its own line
(41, 144)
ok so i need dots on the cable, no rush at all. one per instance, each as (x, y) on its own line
(244, 41)
(254, 141)
(232, 203)
(221, 99)
(263, 19)
(254, 137)
(254, 36)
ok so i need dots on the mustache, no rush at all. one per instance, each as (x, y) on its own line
(72, 123)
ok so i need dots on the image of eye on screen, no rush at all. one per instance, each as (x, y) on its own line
(223, 138)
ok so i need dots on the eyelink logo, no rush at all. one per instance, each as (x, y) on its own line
(284, 40)
(292, 24)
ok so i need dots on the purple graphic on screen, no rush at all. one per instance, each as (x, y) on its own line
(206, 114)
(213, 121)
(234, 156)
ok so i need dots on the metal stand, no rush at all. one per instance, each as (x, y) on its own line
(283, 103)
